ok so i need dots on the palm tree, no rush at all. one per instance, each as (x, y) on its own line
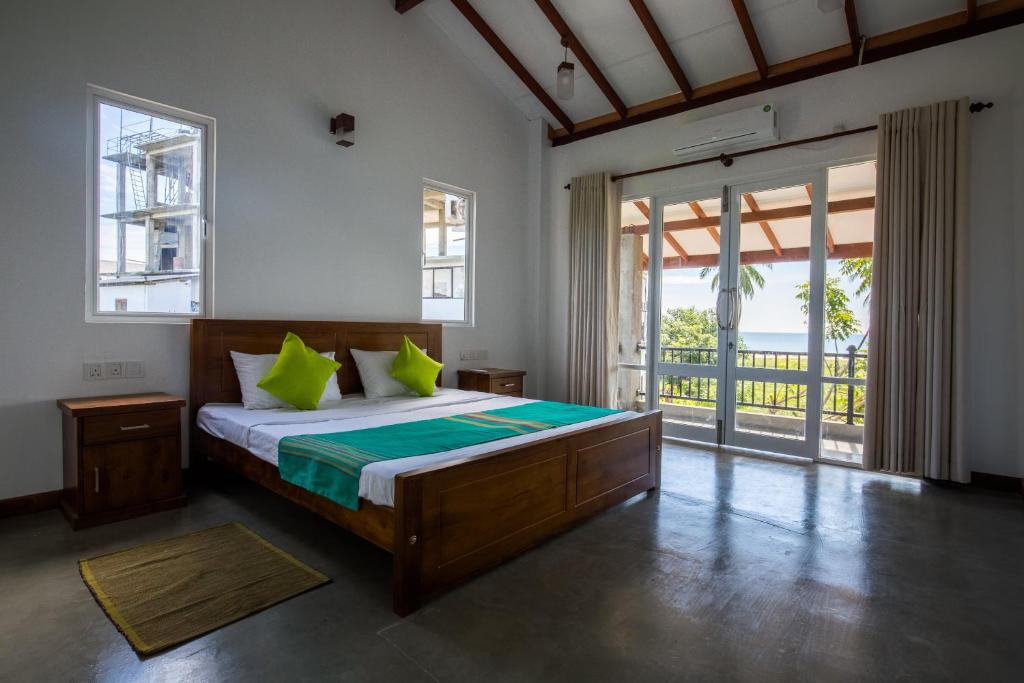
(751, 279)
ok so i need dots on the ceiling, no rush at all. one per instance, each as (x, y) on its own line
(704, 36)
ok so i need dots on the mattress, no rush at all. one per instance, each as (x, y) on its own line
(259, 431)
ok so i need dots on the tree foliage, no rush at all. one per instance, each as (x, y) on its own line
(858, 270)
(751, 279)
(689, 327)
(840, 321)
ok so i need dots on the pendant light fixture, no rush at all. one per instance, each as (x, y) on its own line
(566, 77)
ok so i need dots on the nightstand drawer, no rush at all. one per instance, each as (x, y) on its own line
(506, 385)
(123, 426)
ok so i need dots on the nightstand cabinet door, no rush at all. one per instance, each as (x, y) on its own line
(123, 474)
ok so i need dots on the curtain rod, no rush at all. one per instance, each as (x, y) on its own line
(727, 159)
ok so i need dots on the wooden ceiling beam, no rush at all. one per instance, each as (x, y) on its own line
(712, 229)
(829, 242)
(972, 10)
(853, 27)
(658, 38)
(765, 227)
(843, 251)
(991, 16)
(787, 212)
(403, 6)
(750, 33)
(488, 34)
(672, 241)
(581, 53)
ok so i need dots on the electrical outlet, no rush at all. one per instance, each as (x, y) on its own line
(134, 369)
(473, 354)
(114, 370)
(92, 371)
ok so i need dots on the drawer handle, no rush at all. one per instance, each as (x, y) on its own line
(96, 479)
(132, 428)
(510, 384)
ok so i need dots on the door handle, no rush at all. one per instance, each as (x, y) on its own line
(718, 309)
(737, 307)
(96, 479)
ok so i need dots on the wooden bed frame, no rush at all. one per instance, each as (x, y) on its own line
(450, 521)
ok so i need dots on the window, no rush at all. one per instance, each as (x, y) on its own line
(149, 235)
(448, 215)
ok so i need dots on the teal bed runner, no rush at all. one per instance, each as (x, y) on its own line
(330, 464)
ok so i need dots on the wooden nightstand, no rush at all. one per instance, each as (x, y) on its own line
(492, 380)
(122, 457)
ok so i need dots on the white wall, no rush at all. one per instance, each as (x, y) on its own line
(304, 229)
(984, 68)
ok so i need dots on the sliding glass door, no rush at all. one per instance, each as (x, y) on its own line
(743, 312)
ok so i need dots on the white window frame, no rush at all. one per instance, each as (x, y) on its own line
(97, 95)
(470, 268)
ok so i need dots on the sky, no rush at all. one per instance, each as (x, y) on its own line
(773, 309)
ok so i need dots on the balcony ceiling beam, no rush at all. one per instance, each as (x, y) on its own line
(712, 229)
(843, 251)
(799, 211)
(765, 227)
(496, 43)
(581, 53)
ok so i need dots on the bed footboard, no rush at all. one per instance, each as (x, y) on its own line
(456, 520)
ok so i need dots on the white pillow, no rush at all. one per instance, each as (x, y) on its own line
(251, 368)
(375, 374)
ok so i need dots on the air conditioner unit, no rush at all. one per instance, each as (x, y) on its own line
(742, 128)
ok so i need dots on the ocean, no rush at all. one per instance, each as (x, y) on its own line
(790, 341)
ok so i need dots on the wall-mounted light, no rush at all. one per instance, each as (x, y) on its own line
(566, 77)
(344, 126)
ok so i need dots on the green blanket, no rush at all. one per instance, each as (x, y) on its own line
(330, 464)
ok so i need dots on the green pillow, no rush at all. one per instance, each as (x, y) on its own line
(415, 369)
(299, 375)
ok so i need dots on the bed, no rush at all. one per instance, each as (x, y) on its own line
(444, 517)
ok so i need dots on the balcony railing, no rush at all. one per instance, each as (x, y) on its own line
(841, 402)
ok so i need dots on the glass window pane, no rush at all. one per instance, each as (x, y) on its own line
(447, 218)
(149, 189)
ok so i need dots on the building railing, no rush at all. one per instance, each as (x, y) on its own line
(774, 396)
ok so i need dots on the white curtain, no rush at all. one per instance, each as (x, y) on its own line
(914, 415)
(593, 296)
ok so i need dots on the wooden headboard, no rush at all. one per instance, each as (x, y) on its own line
(212, 375)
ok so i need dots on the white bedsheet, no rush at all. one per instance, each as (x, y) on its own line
(259, 431)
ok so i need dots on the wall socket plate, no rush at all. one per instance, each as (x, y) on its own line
(92, 372)
(133, 369)
(473, 354)
(114, 369)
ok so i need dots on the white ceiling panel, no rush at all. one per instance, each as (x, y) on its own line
(797, 29)
(714, 55)
(881, 16)
(642, 79)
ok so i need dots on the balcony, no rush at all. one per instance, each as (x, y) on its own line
(773, 408)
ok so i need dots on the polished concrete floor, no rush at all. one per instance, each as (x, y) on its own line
(740, 569)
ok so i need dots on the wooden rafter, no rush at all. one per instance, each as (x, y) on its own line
(765, 227)
(972, 10)
(829, 241)
(989, 17)
(581, 53)
(488, 34)
(651, 26)
(799, 211)
(853, 26)
(403, 6)
(712, 230)
(843, 251)
(750, 33)
(672, 241)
